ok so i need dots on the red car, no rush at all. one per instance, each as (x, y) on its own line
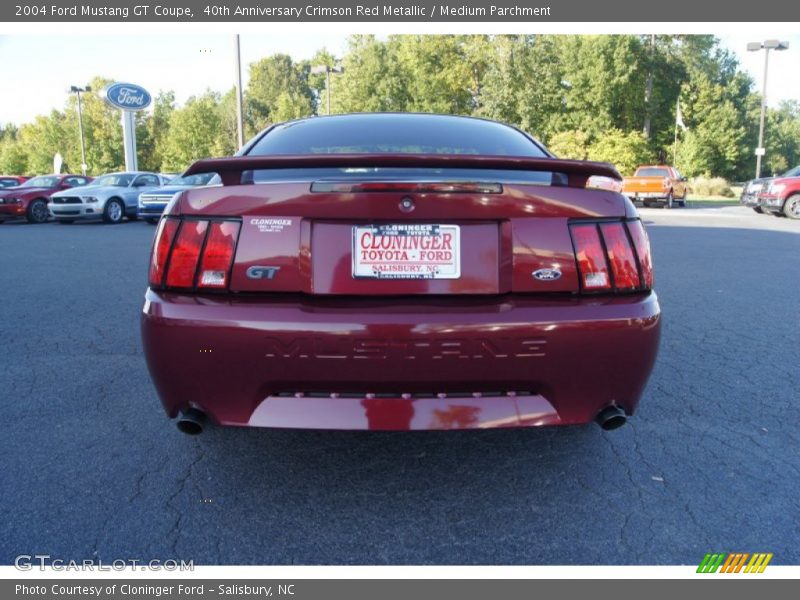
(399, 272)
(781, 197)
(29, 200)
(7, 181)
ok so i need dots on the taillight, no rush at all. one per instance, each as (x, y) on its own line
(218, 255)
(185, 254)
(165, 235)
(192, 253)
(642, 245)
(591, 258)
(620, 255)
(612, 256)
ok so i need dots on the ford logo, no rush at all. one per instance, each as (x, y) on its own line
(546, 274)
(127, 96)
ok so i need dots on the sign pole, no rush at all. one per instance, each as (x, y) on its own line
(239, 102)
(129, 140)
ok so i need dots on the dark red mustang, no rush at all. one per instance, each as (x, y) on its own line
(29, 200)
(398, 272)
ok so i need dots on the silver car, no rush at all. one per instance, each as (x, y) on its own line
(152, 204)
(111, 197)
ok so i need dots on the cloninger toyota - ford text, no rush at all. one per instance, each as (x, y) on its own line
(400, 272)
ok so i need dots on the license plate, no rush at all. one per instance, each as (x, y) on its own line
(407, 251)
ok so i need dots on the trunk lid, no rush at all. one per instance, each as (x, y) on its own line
(318, 234)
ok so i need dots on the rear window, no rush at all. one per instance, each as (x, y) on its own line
(652, 172)
(395, 134)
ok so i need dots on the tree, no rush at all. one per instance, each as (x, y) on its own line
(371, 81)
(42, 139)
(193, 132)
(226, 141)
(277, 86)
(601, 74)
(570, 144)
(584, 96)
(435, 73)
(782, 138)
(716, 141)
(13, 158)
(624, 150)
(153, 132)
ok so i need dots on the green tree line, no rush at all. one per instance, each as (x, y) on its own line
(601, 97)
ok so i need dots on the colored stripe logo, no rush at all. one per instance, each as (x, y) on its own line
(735, 562)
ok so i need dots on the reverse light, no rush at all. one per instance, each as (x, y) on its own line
(620, 255)
(591, 257)
(218, 254)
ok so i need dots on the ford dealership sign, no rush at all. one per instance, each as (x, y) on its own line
(127, 96)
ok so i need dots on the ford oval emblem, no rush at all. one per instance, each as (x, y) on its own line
(546, 274)
(127, 96)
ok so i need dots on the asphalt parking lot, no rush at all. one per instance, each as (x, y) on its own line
(93, 469)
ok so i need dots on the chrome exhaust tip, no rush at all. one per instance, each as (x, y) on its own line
(191, 421)
(611, 417)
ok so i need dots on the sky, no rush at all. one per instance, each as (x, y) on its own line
(38, 69)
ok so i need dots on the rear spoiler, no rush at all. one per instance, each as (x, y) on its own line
(230, 169)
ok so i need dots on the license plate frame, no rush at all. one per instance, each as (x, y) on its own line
(440, 258)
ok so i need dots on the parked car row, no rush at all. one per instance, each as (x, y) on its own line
(111, 197)
(30, 199)
(777, 195)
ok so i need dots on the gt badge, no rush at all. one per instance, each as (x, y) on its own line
(259, 272)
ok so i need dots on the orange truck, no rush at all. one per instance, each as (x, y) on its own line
(653, 184)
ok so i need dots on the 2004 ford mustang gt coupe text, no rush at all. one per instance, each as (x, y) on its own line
(396, 272)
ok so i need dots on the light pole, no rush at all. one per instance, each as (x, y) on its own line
(239, 111)
(77, 91)
(755, 47)
(327, 70)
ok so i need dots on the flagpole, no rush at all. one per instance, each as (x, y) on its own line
(675, 143)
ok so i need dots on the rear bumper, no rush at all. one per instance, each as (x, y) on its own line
(646, 195)
(399, 364)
